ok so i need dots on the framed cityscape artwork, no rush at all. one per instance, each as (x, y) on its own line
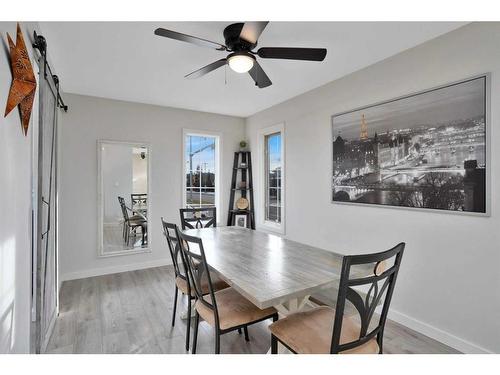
(426, 150)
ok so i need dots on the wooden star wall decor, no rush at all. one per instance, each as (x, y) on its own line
(22, 89)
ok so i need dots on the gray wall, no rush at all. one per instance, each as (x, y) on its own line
(117, 173)
(15, 221)
(90, 119)
(449, 281)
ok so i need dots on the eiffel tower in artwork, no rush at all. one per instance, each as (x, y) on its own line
(364, 129)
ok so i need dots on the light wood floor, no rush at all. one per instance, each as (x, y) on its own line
(113, 238)
(131, 312)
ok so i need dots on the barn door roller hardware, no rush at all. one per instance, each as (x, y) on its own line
(41, 45)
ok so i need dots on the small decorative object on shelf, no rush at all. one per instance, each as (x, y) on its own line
(240, 220)
(243, 185)
(242, 203)
(243, 165)
(243, 145)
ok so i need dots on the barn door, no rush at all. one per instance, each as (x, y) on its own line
(46, 250)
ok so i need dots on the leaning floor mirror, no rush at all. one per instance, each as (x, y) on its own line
(124, 198)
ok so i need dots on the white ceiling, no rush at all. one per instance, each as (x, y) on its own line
(126, 61)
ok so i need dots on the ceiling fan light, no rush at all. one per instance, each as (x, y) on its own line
(241, 63)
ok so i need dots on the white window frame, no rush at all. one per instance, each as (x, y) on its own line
(263, 223)
(218, 166)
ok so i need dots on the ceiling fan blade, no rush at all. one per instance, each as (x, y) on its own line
(259, 76)
(189, 39)
(206, 69)
(251, 31)
(311, 54)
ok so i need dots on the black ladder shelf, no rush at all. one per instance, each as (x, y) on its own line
(243, 163)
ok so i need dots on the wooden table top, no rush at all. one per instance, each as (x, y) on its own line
(267, 269)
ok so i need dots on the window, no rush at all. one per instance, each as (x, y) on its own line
(272, 177)
(201, 180)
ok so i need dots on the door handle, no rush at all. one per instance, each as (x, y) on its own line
(48, 218)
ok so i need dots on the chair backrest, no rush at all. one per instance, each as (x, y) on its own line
(138, 199)
(381, 281)
(195, 218)
(197, 266)
(124, 208)
(170, 233)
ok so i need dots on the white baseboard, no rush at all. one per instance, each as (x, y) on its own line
(113, 269)
(446, 338)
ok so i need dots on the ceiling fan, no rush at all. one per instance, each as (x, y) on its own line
(241, 39)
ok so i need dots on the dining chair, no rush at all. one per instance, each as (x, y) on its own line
(181, 278)
(138, 200)
(195, 218)
(226, 310)
(131, 223)
(324, 330)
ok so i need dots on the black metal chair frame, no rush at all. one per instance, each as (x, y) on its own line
(196, 265)
(138, 199)
(365, 307)
(173, 247)
(130, 224)
(174, 253)
(187, 223)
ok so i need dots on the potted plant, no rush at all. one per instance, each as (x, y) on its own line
(243, 145)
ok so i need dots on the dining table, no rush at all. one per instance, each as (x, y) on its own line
(270, 270)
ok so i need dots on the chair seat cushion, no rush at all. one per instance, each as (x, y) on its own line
(217, 284)
(136, 220)
(310, 332)
(234, 310)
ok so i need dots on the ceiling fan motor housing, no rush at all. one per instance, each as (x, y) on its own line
(233, 41)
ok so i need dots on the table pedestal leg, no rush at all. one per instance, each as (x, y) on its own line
(290, 307)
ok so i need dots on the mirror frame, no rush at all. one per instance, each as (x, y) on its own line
(100, 206)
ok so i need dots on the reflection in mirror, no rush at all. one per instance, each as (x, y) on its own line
(124, 202)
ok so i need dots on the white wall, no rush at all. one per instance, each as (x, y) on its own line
(449, 283)
(90, 119)
(15, 221)
(140, 174)
(117, 173)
